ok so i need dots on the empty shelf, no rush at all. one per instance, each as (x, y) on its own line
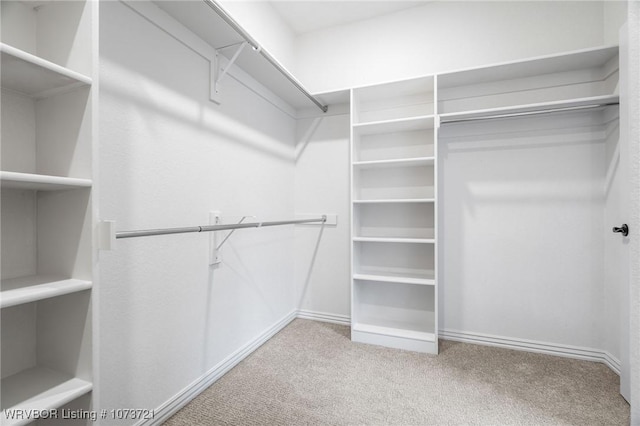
(403, 162)
(396, 125)
(33, 288)
(394, 279)
(15, 180)
(394, 332)
(36, 77)
(400, 200)
(38, 389)
(394, 240)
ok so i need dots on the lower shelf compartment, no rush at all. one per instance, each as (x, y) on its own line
(395, 332)
(394, 338)
(38, 388)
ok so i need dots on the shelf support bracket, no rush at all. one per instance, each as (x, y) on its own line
(215, 257)
(219, 73)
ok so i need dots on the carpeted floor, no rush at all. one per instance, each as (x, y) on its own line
(312, 374)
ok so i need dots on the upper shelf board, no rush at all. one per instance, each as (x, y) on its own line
(36, 77)
(210, 27)
(583, 59)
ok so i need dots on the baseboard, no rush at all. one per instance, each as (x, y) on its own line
(567, 351)
(324, 317)
(181, 399)
(174, 404)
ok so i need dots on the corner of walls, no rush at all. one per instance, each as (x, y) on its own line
(614, 15)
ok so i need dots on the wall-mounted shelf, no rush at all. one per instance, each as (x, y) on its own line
(404, 200)
(36, 77)
(37, 182)
(394, 278)
(403, 162)
(208, 20)
(423, 122)
(16, 291)
(39, 389)
(394, 240)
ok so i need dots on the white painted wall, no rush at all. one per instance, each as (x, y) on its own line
(615, 15)
(523, 230)
(441, 36)
(322, 257)
(168, 156)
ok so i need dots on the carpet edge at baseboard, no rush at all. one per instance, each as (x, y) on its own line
(182, 398)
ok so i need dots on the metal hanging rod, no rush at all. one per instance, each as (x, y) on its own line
(210, 228)
(527, 113)
(256, 46)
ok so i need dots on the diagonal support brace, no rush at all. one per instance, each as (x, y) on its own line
(221, 73)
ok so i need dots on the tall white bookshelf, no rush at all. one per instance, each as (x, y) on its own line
(394, 215)
(46, 175)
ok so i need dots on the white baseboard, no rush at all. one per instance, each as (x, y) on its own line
(181, 399)
(567, 351)
(324, 317)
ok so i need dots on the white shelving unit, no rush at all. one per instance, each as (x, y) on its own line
(396, 129)
(394, 181)
(46, 176)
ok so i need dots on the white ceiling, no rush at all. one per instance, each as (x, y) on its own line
(306, 16)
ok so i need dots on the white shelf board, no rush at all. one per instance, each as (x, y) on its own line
(16, 180)
(561, 62)
(409, 124)
(36, 77)
(401, 162)
(542, 106)
(39, 389)
(395, 332)
(399, 200)
(210, 27)
(394, 279)
(394, 240)
(21, 290)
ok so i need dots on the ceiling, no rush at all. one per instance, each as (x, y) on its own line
(306, 16)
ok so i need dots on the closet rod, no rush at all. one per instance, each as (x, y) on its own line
(210, 228)
(254, 44)
(526, 113)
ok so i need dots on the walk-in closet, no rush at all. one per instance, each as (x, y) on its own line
(320, 212)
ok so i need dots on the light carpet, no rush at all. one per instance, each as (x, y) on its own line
(312, 374)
